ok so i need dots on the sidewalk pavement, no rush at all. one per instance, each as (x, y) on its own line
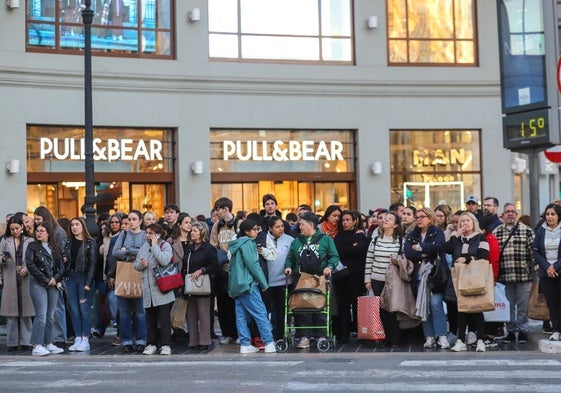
(537, 340)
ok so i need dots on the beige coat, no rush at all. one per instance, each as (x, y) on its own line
(9, 306)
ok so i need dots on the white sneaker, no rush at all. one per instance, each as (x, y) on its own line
(443, 342)
(39, 350)
(77, 342)
(245, 349)
(166, 350)
(270, 348)
(555, 336)
(460, 346)
(480, 346)
(429, 343)
(471, 338)
(150, 350)
(54, 349)
(84, 345)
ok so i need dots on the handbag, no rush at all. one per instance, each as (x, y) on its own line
(438, 276)
(168, 277)
(128, 281)
(200, 286)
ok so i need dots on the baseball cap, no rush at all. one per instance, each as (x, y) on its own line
(472, 199)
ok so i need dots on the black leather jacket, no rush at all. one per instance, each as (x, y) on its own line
(42, 266)
(86, 260)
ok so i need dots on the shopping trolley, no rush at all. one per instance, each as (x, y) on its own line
(323, 344)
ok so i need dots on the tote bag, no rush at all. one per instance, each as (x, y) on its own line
(537, 306)
(369, 323)
(128, 281)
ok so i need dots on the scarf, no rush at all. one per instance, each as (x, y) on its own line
(330, 229)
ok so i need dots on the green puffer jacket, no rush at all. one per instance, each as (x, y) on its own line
(322, 245)
(245, 270)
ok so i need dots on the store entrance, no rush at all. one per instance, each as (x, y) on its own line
(290, 194)
(64, 199)
(431, 195)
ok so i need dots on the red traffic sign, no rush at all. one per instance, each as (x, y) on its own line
(553, 154)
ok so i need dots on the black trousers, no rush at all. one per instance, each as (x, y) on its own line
(551, 289)
(389, 319)
(155, 316)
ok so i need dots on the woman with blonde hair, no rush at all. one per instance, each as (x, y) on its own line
(467, 243)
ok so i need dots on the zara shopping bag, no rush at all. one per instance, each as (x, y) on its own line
(475, 303)
(128, 281)
(368, 318)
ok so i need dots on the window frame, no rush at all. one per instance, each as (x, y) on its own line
(58, 24)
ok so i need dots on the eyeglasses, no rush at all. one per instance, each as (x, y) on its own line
(420, 217)
(257, 229)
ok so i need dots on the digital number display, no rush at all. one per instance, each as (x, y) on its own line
(526, 130)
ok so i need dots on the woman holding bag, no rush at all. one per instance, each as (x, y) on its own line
(424, 246)
(201, 260)
(154, 253)
(389, 241)
(547, 252)
(467, 243)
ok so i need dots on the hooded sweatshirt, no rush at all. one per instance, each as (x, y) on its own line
(245, 271)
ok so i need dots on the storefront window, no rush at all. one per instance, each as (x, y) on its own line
(293, 30)
(60, 149)
(431, 32)
(432, 167)
(138, 28)
(282, 151)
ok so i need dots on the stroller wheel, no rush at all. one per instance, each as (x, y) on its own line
(281, 345)
(323, 345)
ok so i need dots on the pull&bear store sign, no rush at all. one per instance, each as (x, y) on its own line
(282, 151)
(103, 150)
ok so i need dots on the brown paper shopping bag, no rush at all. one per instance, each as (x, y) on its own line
(475, 303)
(128, 281)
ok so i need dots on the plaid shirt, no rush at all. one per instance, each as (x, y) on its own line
(517, 257)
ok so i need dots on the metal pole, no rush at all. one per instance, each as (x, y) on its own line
(89, 200)
(534, 176)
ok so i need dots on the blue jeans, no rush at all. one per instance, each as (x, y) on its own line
(248, 306)
(79, 303)
(132, 311)
(59, 326)
(435, 325)
(45, 301)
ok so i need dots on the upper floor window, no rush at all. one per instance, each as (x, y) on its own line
(431, 32)
(137, 28)
(281, 30)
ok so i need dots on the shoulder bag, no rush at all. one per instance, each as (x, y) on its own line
(168, 277)
(200, 286)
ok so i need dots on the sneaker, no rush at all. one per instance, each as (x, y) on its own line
(140, 348)
(39, 350)
(429, 343)
(546, 327)
(150, 350)
(226, 340)
(510, 337)
(54, 349)
(480, 346)
(116, 341)
(522, 337)
(270, 348)
(555, 336)
(166, 350)
(471, 338)
(97, 333)
(77, 342)
(459, 346)
(258, 343)
(303, 343)
(84, 345)
(238, 341)
(127, 349)
(443, 342)
(245, 349)
(490, 343)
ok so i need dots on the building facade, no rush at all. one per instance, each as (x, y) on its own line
(357, 103)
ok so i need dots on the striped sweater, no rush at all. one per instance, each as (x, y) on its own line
(378, 257)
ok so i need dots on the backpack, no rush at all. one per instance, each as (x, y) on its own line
(310, 261)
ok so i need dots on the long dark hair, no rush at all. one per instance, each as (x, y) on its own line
(398, 231)
(55, 249)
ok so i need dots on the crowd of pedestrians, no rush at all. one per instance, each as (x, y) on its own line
(51, 267)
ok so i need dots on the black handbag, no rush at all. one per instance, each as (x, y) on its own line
(438, 277)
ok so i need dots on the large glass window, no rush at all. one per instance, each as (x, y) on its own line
(431, 32)
(140, 28)
(281, 30)
(433, 167)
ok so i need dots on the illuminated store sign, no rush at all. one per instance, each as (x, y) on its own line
(282, 151)
(440, 157)
(104, 150)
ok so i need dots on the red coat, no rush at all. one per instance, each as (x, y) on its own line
(494, 253)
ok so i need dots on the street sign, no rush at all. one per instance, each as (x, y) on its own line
(553, 154)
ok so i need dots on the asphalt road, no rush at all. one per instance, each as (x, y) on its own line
(374, 372)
